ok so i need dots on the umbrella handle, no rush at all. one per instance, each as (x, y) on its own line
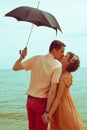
(31, 27)
(29, 35)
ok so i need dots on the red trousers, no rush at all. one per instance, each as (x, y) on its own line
(35, 109)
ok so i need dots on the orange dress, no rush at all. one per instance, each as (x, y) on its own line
(66, 116)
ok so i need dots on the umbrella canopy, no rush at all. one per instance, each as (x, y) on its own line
(35, 16)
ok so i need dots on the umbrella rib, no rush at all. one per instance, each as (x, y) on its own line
(57, 27)
(51, 26)
(46, 19)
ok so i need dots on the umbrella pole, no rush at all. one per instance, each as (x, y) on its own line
(29, 35)
(31, 27)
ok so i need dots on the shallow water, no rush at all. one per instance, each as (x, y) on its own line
(13, 86)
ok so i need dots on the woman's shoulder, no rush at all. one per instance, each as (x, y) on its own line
(67, 78)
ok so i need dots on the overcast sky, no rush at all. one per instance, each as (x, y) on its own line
(71, 15)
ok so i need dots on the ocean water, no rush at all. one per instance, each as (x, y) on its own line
(13, 86)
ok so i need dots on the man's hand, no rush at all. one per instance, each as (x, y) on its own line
(23, 53)
(45, 117)
(18, 66)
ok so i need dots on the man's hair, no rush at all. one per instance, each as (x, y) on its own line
(56, 44)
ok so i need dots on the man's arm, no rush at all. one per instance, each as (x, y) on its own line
(53, 88)
(51, 96)
(50, 100)
(18, 66)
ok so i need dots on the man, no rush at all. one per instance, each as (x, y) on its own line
(45, 74)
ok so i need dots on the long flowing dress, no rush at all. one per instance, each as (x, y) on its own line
(66, 116)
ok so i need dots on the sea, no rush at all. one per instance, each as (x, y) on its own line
(13, 86)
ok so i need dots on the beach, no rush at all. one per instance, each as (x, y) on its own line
(13, 86)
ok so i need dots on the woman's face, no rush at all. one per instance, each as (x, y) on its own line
(65, 61)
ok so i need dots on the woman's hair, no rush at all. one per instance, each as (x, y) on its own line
(56, 44)
(74, 62)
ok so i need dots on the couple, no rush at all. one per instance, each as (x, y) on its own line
(48, 94)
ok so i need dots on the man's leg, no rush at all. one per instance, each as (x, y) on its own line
(40, 108)
(35, 109)
(31, 115)
(40, 124)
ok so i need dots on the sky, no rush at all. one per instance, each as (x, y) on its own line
(71, 16)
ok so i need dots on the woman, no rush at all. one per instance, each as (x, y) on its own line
(63, 113)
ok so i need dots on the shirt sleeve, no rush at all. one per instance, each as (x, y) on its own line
(56, 75)
(27, 65)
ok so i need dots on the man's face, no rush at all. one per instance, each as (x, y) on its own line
(59, 54)
(65, 61)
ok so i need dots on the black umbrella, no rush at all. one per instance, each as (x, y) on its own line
(35, 16)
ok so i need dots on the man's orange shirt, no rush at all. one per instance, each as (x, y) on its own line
(44, 70)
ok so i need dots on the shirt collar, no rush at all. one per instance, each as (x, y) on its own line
(50, 55)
